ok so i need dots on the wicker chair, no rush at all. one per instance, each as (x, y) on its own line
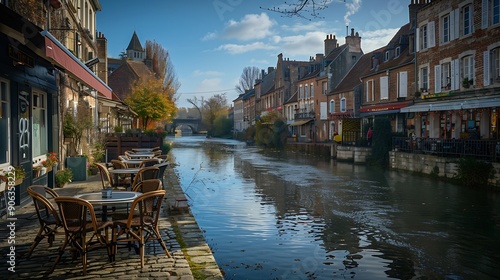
(46, 213)
(141, 225)
(79, 221)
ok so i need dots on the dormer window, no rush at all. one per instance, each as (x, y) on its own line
(387, 55)
(398, 52)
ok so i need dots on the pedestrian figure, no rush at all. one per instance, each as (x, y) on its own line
(369, 135)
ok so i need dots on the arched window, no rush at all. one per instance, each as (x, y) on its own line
(342, 105)
(332, 106)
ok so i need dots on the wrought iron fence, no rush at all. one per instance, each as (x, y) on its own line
(480, 149)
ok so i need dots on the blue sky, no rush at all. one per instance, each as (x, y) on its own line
(210, 42)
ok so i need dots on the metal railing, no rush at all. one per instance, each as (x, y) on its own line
(480, 149)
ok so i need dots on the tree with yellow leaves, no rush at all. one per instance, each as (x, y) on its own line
(152, 100)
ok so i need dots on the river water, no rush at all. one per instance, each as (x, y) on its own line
(276, 215)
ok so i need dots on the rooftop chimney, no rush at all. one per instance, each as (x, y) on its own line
(353, 41)
(330, 43)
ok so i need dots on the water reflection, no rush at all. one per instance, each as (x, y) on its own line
(272, 215)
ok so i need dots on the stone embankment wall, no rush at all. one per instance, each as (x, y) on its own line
(430, 164)
(419, 163)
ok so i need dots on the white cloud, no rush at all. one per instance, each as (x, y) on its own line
(251, 26)
(352, 8)
(298, 27)
(206, 73)
(373, 40)
(308, 44)
(239, 49)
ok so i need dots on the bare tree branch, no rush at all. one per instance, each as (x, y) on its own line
(301, 7)
(247, 79)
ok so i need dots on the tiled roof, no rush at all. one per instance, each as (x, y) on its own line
(122, 78)
(361, 68)
(135, 44)
(268, 83)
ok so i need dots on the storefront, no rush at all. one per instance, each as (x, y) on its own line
(29, 98)
(474, 118)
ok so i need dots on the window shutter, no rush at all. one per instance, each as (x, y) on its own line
(452, 26)
(403, 84)
(417, 40)
(456, 31)
(486, 68)
(484, 13)
(455, 71)
(384, 87)
(431, 34)
(437, 78)
(322, 109)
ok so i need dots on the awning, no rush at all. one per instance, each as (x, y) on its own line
(379, 113)
(301, 122)
(384, 107)
(453, 105)
(62, 57)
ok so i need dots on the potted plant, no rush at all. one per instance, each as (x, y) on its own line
(15, 174)
(63, 177)
(51, 161)
(466, 83)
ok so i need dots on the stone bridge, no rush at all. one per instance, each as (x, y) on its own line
(193, 124)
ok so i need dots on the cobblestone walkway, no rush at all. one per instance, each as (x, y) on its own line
(174, 220)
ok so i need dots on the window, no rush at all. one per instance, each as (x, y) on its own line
(467, 68)
(4, 123)
(423, 37)
(495, 19)
(491, 66)
(311, 88)
(342, 104)
(490, 13)
(301, 92)
(403, 84)
(306, 91)
(369, 91)
(332, 106)
(39, 124)
(325, 88)
(398, 52)
(384, 88)
(387, 55)
(467, 19)
(445, 21)
(446, 75)
(424, 79)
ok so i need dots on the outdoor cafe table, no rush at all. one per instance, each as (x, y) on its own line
(143, 155)
(143, 150)
(130, 171)
(134, 162)
(117, 197)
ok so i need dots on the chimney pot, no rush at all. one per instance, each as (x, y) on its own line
(352, 31)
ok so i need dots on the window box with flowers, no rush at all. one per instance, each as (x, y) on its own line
(15, 175)
(51, 161)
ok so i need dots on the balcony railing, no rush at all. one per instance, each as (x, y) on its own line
(480, 149)
(302, 116)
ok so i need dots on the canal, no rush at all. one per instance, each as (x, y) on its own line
(276, 215)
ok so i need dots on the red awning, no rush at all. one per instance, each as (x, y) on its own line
(65, 59)
(384, 107)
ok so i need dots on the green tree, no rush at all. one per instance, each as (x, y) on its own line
(271, 131)
(214, 107)
(222, 126)
(382, 141)
(152, 101)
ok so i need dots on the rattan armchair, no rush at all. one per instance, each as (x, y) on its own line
(46, 213)
(79, 222)
(141, 225)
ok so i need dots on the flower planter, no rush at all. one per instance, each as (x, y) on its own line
(79, 167)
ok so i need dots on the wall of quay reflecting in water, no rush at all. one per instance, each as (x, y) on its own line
(276, 215)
